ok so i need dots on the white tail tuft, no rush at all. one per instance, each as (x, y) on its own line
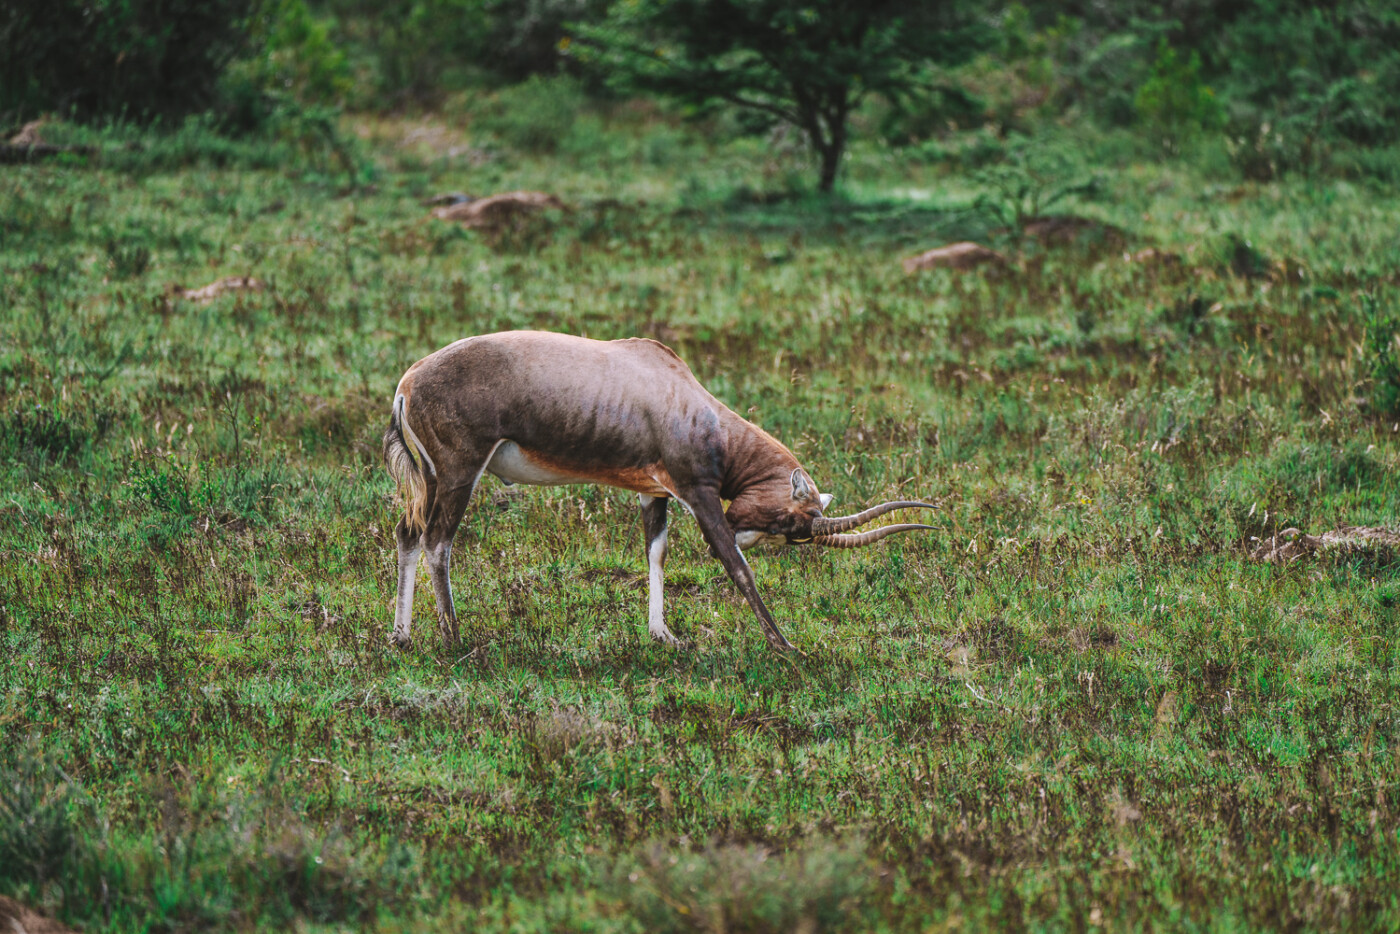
(408, 464)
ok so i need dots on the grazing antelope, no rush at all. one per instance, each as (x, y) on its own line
(545, 409)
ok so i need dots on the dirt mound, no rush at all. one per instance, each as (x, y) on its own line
(214, 289)
(19, 919)
(499, 211)
(1151, 256)
(29, 134)
(28, 145)
(959, 256)
(1292, 544)
(1066, 229)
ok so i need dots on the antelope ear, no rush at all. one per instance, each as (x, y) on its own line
(802, 487)
(826, 500)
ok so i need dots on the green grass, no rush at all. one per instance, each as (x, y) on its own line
(1077, 704)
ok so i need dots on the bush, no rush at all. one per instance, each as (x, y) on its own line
(523, 36)
(1174, 103)
(139, 58)
(292, 58)
(1031, 181)
(534, 116)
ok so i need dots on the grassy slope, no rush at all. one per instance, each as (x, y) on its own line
(1076, 705)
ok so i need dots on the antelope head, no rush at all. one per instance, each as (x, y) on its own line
(793, 516)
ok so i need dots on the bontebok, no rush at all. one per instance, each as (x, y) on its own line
(540, 408)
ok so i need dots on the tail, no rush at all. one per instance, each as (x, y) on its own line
(409, 465)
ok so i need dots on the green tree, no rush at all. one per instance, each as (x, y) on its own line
(807, 62)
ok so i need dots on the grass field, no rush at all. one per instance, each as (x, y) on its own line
(1077, 705)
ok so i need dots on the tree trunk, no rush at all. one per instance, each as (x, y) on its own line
(830, 147)
(830, 165)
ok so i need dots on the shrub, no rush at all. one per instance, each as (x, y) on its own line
(534, 116)
(1174, 103)
(523, 35)
(134, 57)
(1033, 180)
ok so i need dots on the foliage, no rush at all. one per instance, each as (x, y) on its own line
(807, 65)
(292, 58)
(534, 116)
(523, 36)
(136, 58)
(1034, 178)
(1174, 103)
(1297, 84)
(424, 51)
(928, 110)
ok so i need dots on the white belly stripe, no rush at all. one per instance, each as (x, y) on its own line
(510, 464)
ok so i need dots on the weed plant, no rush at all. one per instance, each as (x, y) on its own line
(1078, 704)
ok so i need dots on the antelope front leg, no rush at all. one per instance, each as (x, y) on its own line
(709, 513)
(654, 531)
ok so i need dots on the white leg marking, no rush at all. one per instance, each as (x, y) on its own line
(403, 607)
(656, 593)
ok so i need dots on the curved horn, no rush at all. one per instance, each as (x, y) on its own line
(824, 526)
(861, 539)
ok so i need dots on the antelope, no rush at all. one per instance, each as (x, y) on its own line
(546, 409)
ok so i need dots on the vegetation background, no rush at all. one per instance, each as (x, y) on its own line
(1079, 705)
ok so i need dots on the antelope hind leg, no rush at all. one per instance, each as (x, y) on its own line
(654, 532)
(410, 547)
